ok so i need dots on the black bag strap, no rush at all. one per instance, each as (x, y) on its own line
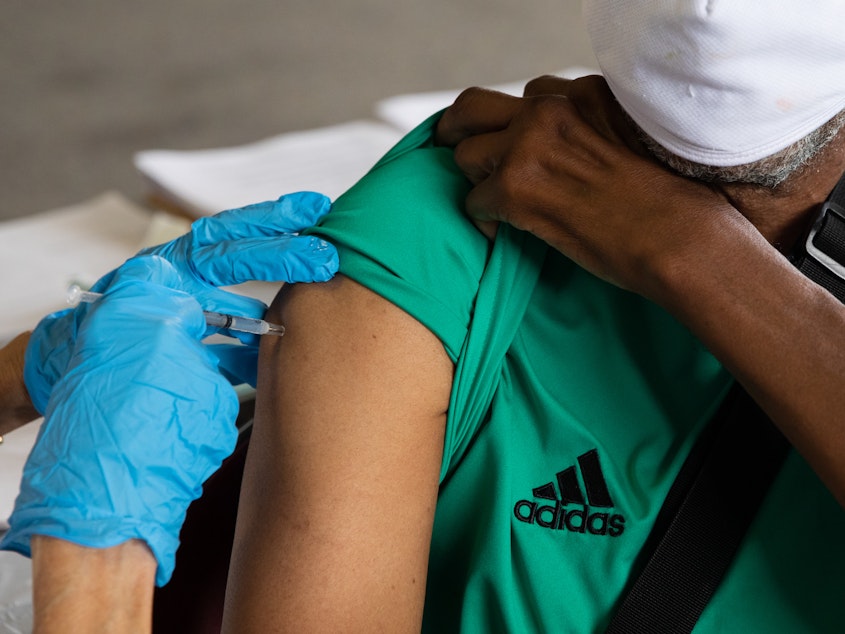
(724, 480)
(705, 516)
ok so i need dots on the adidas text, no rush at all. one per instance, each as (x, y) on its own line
(581, 519)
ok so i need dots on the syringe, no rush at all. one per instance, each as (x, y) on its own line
(76, 294)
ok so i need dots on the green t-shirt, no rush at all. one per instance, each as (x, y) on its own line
(574, 405)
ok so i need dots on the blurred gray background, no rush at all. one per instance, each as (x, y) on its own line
(87, 83)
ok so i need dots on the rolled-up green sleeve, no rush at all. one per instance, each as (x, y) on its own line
(401, 232)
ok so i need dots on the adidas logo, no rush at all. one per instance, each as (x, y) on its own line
(571, 511)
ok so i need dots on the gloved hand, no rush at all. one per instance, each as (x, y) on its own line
(139, 419)
(257, 242)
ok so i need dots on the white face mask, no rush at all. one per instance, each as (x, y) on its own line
(723, 82)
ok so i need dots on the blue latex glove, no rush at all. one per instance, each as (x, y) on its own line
(138, 421)
(257, 242)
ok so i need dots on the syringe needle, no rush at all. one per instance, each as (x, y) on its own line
(76, 294)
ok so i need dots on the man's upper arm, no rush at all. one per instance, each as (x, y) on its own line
(342, 475)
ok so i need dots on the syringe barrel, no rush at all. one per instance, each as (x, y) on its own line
(241, 324)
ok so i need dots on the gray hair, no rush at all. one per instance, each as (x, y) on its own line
(770, 171)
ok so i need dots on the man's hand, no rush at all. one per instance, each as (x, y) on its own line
(564, 163)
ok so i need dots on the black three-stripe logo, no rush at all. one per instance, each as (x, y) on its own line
(569, 508)
(570, 489)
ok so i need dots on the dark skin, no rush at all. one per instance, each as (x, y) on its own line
(565, 163)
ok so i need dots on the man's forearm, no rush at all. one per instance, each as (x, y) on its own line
(15, 406)
(775, 330)
(79, 589)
